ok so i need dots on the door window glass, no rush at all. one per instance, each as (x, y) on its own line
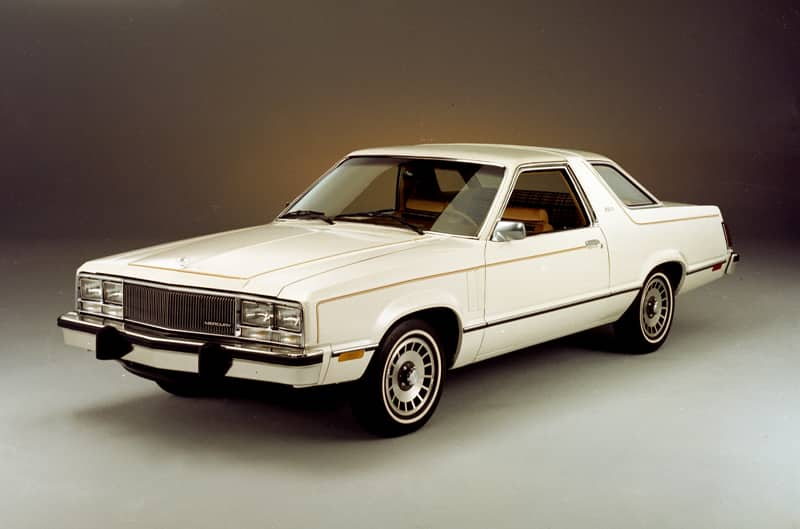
(545, 201)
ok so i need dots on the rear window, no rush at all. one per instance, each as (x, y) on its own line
(628, 192)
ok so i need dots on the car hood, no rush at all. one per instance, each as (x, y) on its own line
(264, 258)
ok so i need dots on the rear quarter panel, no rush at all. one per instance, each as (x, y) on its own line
(640, 239)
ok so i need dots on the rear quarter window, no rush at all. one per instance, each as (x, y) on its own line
(629, 193)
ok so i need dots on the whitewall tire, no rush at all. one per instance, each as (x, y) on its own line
(402, 385)
(645, 325)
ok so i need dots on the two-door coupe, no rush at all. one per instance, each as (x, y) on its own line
(399, 264)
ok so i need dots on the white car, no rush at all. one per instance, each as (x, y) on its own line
(399, 264)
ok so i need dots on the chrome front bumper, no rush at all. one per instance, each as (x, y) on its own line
(139, 348)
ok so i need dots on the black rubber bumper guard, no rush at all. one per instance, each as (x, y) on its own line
(214, 358)
(733, 260)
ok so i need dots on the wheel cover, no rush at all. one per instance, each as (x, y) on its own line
(655, 308)
(411, 376)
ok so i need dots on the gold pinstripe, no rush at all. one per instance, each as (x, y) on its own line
(433, 276)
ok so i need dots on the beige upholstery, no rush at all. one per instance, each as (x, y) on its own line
(421, 204)
(535, 216)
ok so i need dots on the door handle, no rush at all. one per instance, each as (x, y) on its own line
(594, 243)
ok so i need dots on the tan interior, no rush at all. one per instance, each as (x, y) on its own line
(421, 204)
(530, 216)
(535, 217)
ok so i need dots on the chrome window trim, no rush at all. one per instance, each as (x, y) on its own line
(583, 198)
(468, 237)
(478, 236)
(644, 206)
(583, 202)
(426, 232)
(656, 202)
(238, 298)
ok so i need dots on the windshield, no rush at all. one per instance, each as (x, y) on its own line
(434, 195)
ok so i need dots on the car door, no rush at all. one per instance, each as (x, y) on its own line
(543, 285)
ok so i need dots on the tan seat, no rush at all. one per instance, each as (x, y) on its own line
(421, 204)
(532, 216)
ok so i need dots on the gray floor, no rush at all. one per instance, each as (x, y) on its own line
(703, 433)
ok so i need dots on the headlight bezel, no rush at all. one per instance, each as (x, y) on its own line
(289, 332)
(252, 311)
(294, 315)
(86, 286)
(113, 292)
(270, 330)
(102, 305)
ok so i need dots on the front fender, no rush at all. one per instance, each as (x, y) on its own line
(410, 303)
(364, 319)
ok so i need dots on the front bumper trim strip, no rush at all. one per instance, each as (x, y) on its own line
(94, 325)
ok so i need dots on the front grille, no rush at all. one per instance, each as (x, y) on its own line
(182, 311)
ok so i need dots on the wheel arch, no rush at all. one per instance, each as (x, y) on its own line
(675, 272)
(444, 319)
(672, 263)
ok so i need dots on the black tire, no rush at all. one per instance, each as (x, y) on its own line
(402, 386)
(646, 324)
(184, 388)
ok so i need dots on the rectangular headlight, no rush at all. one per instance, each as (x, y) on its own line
(256, 313)
(289, 318)
(112, 292)
(91, 289)
(100, 296)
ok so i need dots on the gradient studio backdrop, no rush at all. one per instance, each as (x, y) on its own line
(150, 120)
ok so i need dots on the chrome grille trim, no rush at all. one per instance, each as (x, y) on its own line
(161, 320)
(180, 310)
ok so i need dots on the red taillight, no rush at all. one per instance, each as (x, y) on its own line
(727, 235)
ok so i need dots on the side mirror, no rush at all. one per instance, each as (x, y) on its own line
(508, 230)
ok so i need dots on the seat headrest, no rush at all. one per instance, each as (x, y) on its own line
(526, 214)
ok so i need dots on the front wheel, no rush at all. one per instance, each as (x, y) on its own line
(645, 325)
(401, 388)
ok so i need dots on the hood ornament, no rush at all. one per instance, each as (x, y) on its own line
(183, 262)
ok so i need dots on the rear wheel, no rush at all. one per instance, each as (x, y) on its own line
(645, 325)
(402, 385)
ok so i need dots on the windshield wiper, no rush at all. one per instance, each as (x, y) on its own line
(307, 214)
(383, 214)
